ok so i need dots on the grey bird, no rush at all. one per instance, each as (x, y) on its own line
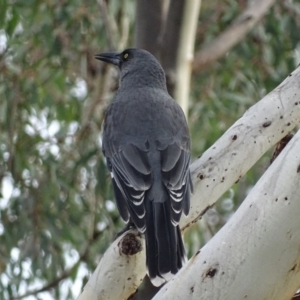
(147, 147)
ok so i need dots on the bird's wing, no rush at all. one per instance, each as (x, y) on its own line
(130, 172)
(176, 178)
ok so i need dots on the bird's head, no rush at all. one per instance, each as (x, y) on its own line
(121, 59)
(136, 62)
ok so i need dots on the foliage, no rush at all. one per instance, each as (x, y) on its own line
(56, 211)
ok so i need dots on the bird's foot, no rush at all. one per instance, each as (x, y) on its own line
(130, 225)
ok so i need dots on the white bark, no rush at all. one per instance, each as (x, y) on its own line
(118, 275)
(262, 126)
(256, 255)
(242, 145)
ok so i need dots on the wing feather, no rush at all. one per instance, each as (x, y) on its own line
(131, 176)
(169, 157)
(137, 159)
(176, 178)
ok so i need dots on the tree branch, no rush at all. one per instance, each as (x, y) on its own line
(57, 280)
(231, 36)
(120, 271)
(110, 26)
(261, 127)
(258, 247)
(242, 145)
(186, 53)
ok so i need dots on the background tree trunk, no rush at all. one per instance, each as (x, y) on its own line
(170, 38)
(150, 17)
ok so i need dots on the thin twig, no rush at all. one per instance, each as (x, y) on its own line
(231, 36)
(110, 26)
(63, 276)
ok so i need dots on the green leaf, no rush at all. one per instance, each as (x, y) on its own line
(3, 9)
(12, 23)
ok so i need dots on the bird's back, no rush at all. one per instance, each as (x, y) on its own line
(144, 115)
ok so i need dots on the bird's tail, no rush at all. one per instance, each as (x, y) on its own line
(165, 253)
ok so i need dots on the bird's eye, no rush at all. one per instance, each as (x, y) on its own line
(125, 56)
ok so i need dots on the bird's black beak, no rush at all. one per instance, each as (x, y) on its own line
(112, 58)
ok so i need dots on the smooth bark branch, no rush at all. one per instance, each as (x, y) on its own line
(256, 255)
(261, 127)
(120, 271)
(231, 36)
(186, 53)
(242, 145)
